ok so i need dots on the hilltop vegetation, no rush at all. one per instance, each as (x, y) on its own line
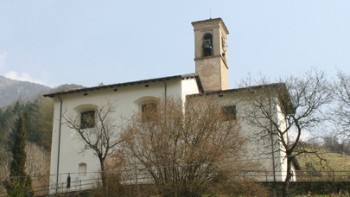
(38, 121)
(38, 112)
(26, 97)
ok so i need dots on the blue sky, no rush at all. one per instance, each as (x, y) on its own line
(88, 42)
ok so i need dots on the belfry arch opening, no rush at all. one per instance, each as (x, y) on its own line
(207, 44)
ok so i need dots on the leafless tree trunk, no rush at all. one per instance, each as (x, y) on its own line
(101, 136)
(285, 110)
(342, 109)
(185, 149)
(38, 167)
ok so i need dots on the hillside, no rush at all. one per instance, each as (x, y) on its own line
(12, 90)
(325, 165)
(325, 161)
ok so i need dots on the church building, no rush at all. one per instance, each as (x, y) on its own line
(209, 79)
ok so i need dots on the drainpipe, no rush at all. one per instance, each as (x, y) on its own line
(272, 143)
(59, 142)
(274, 192)
(165, 98)
(165, 91)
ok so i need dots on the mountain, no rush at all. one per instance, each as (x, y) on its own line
(13, 90)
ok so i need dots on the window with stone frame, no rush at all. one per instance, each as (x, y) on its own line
(87, 119)
(229, 112)
(149, 111)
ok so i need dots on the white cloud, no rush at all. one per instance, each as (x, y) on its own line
(3, 57)
(19, 76)
(22, 77)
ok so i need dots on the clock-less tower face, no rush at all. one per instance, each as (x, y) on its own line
(211, 53)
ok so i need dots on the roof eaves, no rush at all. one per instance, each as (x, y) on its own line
(239, 89)
(120, 85)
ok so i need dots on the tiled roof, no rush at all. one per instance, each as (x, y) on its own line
(185, 76)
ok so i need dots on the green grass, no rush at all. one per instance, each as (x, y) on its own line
(328, 166)
(326, 161)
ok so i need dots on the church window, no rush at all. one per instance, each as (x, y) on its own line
(229, 112)
(82, 169)
(149, 111)
(87, 119)
(207, 44)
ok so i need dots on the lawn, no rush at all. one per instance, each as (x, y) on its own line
(325, 165)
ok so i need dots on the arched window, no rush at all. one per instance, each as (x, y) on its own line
(82, 169)
(149, 111)
(87, 115)
(148, 106)
(207, 44)
(87, 119)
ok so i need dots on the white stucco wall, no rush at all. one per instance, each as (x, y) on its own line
(261, 147)
(126, 100)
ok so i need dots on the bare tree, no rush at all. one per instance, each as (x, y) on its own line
(283, 111)
(38, 167)
(342, 109)
(99, 132)
(185, 150)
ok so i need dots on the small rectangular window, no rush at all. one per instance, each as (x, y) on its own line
(229, 112)
(87, 119)
(82, 169)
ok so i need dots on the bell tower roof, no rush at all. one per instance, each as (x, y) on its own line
(209, 23)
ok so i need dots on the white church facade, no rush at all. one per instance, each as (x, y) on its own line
(210, 79)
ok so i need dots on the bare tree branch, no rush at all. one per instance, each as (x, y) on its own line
(186, 151)
(342, 109)
(103, 138)
(290, 107)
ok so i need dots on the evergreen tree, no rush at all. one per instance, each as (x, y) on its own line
(2, 134)
(19, 183)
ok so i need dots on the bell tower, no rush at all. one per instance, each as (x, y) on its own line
(210, 53)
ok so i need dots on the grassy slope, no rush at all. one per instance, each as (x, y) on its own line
(328, 161)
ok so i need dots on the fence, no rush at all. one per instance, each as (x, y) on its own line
(339, 180)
